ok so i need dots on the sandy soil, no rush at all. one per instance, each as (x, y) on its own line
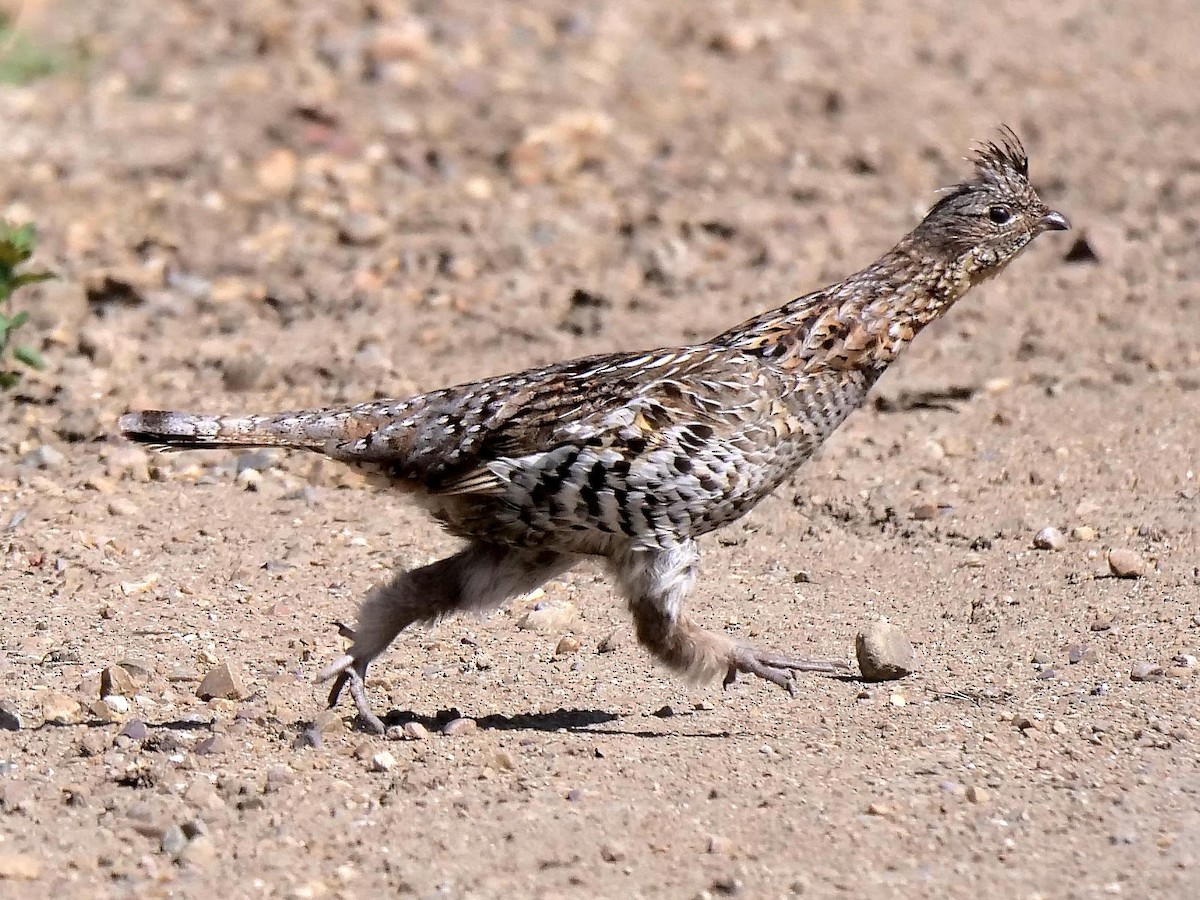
(265, 204)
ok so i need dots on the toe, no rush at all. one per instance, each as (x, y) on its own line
(337, 669)
(339, 685)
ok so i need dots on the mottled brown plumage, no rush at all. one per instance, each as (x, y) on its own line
(633, 456)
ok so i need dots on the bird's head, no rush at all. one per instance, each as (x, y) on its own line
(981, 225)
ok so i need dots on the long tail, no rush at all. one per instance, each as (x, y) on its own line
(187, 431)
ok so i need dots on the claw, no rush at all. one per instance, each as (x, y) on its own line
(778, 668)
(347, 671)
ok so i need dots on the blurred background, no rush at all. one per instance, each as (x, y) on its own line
(270, 204)
(387, 181)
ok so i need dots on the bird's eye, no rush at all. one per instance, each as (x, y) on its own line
(999, 214)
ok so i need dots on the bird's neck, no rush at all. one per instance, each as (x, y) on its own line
(860, 323)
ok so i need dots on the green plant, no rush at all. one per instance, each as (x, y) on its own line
(16, 246)
(24, 58)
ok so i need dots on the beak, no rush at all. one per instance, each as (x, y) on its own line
(1055, 221)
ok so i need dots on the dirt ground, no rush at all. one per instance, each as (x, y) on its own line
(270, 204)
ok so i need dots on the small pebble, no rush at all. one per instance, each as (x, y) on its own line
(415, 731)
(925, 511)
(194, 828)
(222, 683)
(135, 730)
(199, 853)
(309, 737)
(613, 852)
(249, 479)
(382, 762)
(59, 709)
(1126, 563)
(102, 712)
(1041, 659)
(461, 726)
(1145, 671)
(549, 615)
(116, 681)
(16, 866)
(122, 506)
(173, 841)
(258, 460)
(202, 795)
(92, 744)
(1050, 539)
(365, 750)
(10, 719)
(117, 704)
(361, 230)
(328, 721)
(43, 457)
(612, 641)
(1076, 653)
(1083, 533)
(502, 761)
(207, 746)
(566, 646)
(130, 588)
(277, 171)
(884, 652)
(279, 777)
(728, 886)
(977, 794)
(1101, 623)
(719, 845)
(664, 712)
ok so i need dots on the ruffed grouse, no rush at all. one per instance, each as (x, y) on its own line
(633, 456)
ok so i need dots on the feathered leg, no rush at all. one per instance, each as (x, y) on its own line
(480, 577)
(655, 583)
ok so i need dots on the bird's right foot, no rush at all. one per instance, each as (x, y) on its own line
(778, 668)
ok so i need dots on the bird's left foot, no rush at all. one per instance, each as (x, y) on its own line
(778, 668)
